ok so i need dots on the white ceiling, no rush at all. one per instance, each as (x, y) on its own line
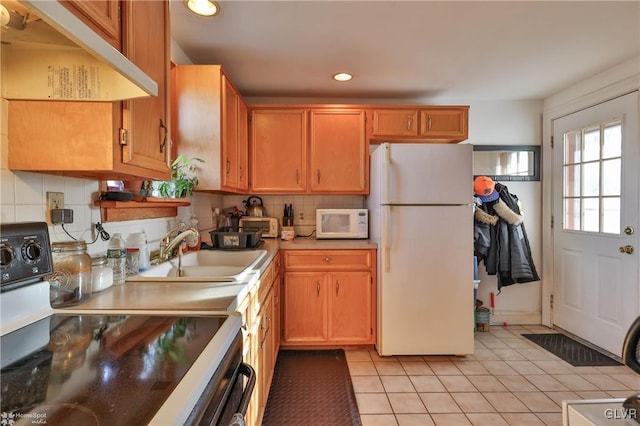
(411, 51)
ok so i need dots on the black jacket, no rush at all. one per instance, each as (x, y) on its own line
(501, 241)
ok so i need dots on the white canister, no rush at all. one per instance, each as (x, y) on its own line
(139, 240)
(101, 274)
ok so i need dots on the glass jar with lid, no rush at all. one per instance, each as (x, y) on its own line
(70, 282)
(101, 274)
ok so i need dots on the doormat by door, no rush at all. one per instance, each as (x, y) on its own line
(571, 351)
(311, 388)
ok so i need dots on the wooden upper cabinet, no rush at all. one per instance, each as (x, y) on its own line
(146, 43)
(338, 152)
(103, 16)
(442, 124)
(394, 122)
(103, 140)
(278, 150)
(229, 145)
(210, 122)
(243, 147)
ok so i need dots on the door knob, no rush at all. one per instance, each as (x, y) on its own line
(626, 249)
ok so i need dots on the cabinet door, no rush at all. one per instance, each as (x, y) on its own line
(277, 310)
(305, 307)
(395, 122)
(145, 120)
(278, 151)
(103, 16)
(243, 147)
(229, 138)
(339, 152)
(444, 123)
(350, 310)
(266, 350)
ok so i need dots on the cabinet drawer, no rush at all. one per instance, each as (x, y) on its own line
(266, 279)
(327, 260)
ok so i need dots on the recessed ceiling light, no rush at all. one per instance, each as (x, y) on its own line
(342, 76)
(203, 7)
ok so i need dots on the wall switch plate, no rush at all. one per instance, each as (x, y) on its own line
(55, 200)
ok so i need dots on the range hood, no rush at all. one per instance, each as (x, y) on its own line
(50, 54)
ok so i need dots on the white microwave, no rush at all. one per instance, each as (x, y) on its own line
(269, 225)
(342, 223)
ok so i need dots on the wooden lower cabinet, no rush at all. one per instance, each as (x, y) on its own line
(333, 304)
(350, 297)
(261, 317)
(305, 307)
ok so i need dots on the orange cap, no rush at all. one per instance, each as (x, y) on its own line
(485, 188)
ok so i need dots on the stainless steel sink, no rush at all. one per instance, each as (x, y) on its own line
(206, 266)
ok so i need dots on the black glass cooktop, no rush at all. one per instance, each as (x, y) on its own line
(96, 369)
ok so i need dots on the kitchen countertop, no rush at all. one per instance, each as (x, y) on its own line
(199, 296)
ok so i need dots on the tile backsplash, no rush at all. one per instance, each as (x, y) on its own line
(23, 199)
(304, 207)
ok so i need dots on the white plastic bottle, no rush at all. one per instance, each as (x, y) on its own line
(139, 240)
(117, 258)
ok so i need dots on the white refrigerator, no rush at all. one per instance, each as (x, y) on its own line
(421, 217)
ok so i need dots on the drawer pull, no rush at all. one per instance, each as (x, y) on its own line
(327, 259)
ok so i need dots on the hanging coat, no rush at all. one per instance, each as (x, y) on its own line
(501, 240)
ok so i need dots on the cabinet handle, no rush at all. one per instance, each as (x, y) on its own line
(337, 287)
(165, 136)
(228, 167)
(409, 123)
(327, 259)
(241, 173)
(297, 176)
(266, 331)
(318, 287)
(318, 176)
(429, 122)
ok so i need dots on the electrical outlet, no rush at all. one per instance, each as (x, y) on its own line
(59, 216)
(301, 217)
(55, 200)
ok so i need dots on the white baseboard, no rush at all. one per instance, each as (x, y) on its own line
(515, 318)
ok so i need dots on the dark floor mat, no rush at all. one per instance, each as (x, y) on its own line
(311, 388)
(571, 351)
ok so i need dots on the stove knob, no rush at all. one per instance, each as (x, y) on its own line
(6, 255)
(31, 251)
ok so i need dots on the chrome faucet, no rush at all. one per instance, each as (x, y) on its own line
(189, 236)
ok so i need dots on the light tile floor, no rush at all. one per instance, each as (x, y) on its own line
(507, 381)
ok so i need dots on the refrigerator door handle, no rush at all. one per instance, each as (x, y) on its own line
(386, 238)
(386, 174)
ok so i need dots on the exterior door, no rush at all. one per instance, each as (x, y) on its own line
(595, 210)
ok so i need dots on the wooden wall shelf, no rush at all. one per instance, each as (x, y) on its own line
(117, 211)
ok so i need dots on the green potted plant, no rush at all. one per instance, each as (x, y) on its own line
(183, 178)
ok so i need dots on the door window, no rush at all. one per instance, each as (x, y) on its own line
(591, 178)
